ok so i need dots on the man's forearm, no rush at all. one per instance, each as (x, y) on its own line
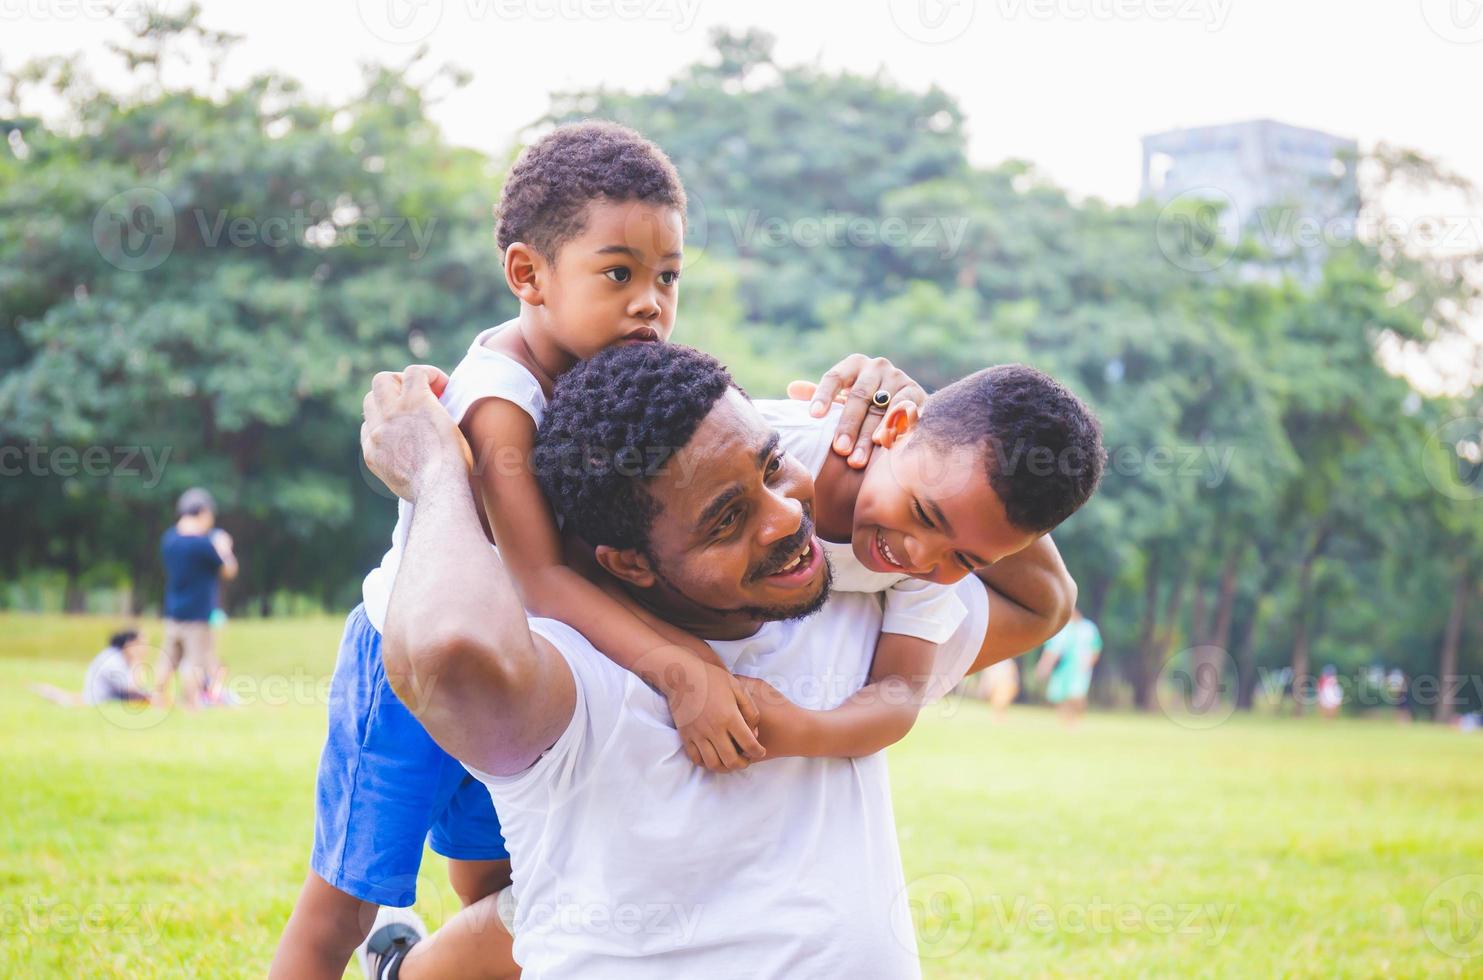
(450, 584)
(457, 649)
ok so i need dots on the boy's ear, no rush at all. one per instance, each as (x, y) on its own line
(900, 420)
(625, 564)
(522, 265)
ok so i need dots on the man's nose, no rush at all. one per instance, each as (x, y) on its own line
(783, 518)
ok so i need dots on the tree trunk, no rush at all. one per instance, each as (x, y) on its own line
(1246, 673)
(1141, 677)
(1220, 633)
(1199, 618)
(1302, 639)
(1447, 662)
(1165, 641)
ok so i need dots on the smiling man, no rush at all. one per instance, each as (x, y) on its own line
(629, 861)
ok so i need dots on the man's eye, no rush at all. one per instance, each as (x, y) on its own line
(669, 278)
(620, 274)
(776, 465)
(726, 521)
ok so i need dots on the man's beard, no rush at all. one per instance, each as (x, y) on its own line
(767, 614)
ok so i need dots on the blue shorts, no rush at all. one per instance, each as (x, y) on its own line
(385, 786)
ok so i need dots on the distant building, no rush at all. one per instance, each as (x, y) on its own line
(1291, 187)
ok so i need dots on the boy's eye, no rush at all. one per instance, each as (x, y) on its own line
(963, 560)
(921, 514)
(620, 274)
(669, 278)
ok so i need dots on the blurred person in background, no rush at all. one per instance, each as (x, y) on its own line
(1398, 692)
(197, 556)
(1330, 696)
(110, 676)
(1067, 662)
(1001, 684)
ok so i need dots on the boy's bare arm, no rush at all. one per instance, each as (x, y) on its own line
(873, 718)
(713, 713)
(1031, 596)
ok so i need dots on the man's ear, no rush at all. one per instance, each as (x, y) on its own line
(900, 420)
(625, 564)
(524, 270)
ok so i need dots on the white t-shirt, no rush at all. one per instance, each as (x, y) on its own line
(481, 374)
(107, 677)
(631, 862)
(913, 607)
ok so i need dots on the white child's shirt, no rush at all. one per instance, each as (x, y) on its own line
(913, 607)
(481, 374)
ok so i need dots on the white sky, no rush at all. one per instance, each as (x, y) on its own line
(1068, 84)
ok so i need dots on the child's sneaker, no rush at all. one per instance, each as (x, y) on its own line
(392, 936)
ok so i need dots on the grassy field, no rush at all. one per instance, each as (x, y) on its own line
(173, 844)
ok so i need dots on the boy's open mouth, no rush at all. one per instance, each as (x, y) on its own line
(884, 550)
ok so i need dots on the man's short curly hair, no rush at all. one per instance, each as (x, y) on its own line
(1041, 444)
(545, 198)
(612, 424)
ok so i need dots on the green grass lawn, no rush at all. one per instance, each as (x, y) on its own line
(173, 845)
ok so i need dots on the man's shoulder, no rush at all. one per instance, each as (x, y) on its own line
(589, 665)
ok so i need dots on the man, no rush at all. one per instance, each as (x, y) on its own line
(197, 555)
(629, 861)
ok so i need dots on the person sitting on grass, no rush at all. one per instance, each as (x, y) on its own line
(110, 676)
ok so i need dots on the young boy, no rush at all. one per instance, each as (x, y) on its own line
(591, 224)
(981, 472)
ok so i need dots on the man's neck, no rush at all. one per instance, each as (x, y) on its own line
(708, 624)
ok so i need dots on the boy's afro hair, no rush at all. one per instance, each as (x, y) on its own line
(545, 198)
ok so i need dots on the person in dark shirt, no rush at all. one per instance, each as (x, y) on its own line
(197, 555)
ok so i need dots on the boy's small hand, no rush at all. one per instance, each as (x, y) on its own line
(785, 728)
(716, 718)
(855, 381)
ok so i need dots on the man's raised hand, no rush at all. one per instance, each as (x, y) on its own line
(857, 380)
(408, 439)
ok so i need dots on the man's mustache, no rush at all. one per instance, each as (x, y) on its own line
(785, 551)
